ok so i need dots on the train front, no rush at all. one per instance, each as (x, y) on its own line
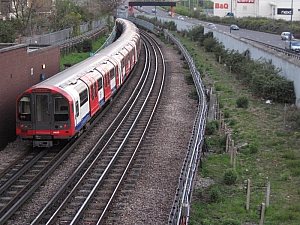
(44, 116)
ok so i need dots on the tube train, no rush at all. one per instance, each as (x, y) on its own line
(62, 106)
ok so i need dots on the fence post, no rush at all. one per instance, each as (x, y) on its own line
(262, 214)
(268, 194)
(248, 195)
(227, 143)
(234, 158)
(231, 151)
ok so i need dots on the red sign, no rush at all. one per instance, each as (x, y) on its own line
(221, 6)
(245, 1)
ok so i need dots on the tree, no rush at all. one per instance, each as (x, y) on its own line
(25, 12)
(7, 32)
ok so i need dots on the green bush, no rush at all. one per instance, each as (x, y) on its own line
(230, 176)
(242, 102)
(253, 147)
(232, 122)
(215, 194)
(212, 127)
(226, 113)
(87, 45)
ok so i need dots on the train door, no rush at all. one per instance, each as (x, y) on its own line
(125, 65)
(42, 117)
(106, 81)
(90, 82)
(118, 58)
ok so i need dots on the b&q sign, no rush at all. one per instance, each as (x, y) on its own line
(221, 5)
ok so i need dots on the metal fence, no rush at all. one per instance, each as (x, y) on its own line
(62, 35)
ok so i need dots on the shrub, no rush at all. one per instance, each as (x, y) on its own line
(253, 147)
(87, 45)
(226, 114)
(233, 122)
(242, 102)
(215, 194)
(230, 176)
(212, 127)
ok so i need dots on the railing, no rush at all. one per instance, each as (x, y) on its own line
(63, 35)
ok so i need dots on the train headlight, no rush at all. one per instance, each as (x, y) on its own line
(25, 126)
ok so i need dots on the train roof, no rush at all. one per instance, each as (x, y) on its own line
(76, 71)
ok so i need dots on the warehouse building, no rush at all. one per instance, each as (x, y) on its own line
(272, 9)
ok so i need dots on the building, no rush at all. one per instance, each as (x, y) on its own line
(21, 67)
(272, 9)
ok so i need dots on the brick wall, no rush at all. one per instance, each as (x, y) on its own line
(20, 70)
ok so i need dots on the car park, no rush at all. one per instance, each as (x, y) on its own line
(234, 27)
(286, 35)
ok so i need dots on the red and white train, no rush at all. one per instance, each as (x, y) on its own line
(60, 107)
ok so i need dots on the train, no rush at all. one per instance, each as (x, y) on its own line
(62, 106)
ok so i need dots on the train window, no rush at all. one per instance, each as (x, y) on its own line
(83, 97)
(24, 113)
(42, 110)
(99, 83)
(112, 73)
(94, 90)
(77, 108)
(61, 109)
(83, 93)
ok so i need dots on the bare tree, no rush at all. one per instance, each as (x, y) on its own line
(25, 11)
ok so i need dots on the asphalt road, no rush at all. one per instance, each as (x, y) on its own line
(187, 23)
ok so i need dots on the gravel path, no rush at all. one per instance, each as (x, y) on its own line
(152, 199)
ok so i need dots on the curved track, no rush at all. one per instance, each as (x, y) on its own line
(97, 180)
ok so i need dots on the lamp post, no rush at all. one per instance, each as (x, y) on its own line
(230, 16)
(291, 19)
(291, 34)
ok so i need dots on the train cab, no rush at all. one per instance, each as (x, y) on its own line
(44, 115)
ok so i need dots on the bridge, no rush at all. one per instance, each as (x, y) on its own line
(152, 3)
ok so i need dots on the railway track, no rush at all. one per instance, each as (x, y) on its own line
(86, 196)
(93, 187)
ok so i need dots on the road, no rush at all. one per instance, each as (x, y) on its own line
(187, 23)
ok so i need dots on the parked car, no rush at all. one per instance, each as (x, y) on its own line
(180, 17)
(154, 10)
(286, 35)
(234, 27)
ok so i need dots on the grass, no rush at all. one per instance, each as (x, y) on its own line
(272, 154)
(77, 57)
